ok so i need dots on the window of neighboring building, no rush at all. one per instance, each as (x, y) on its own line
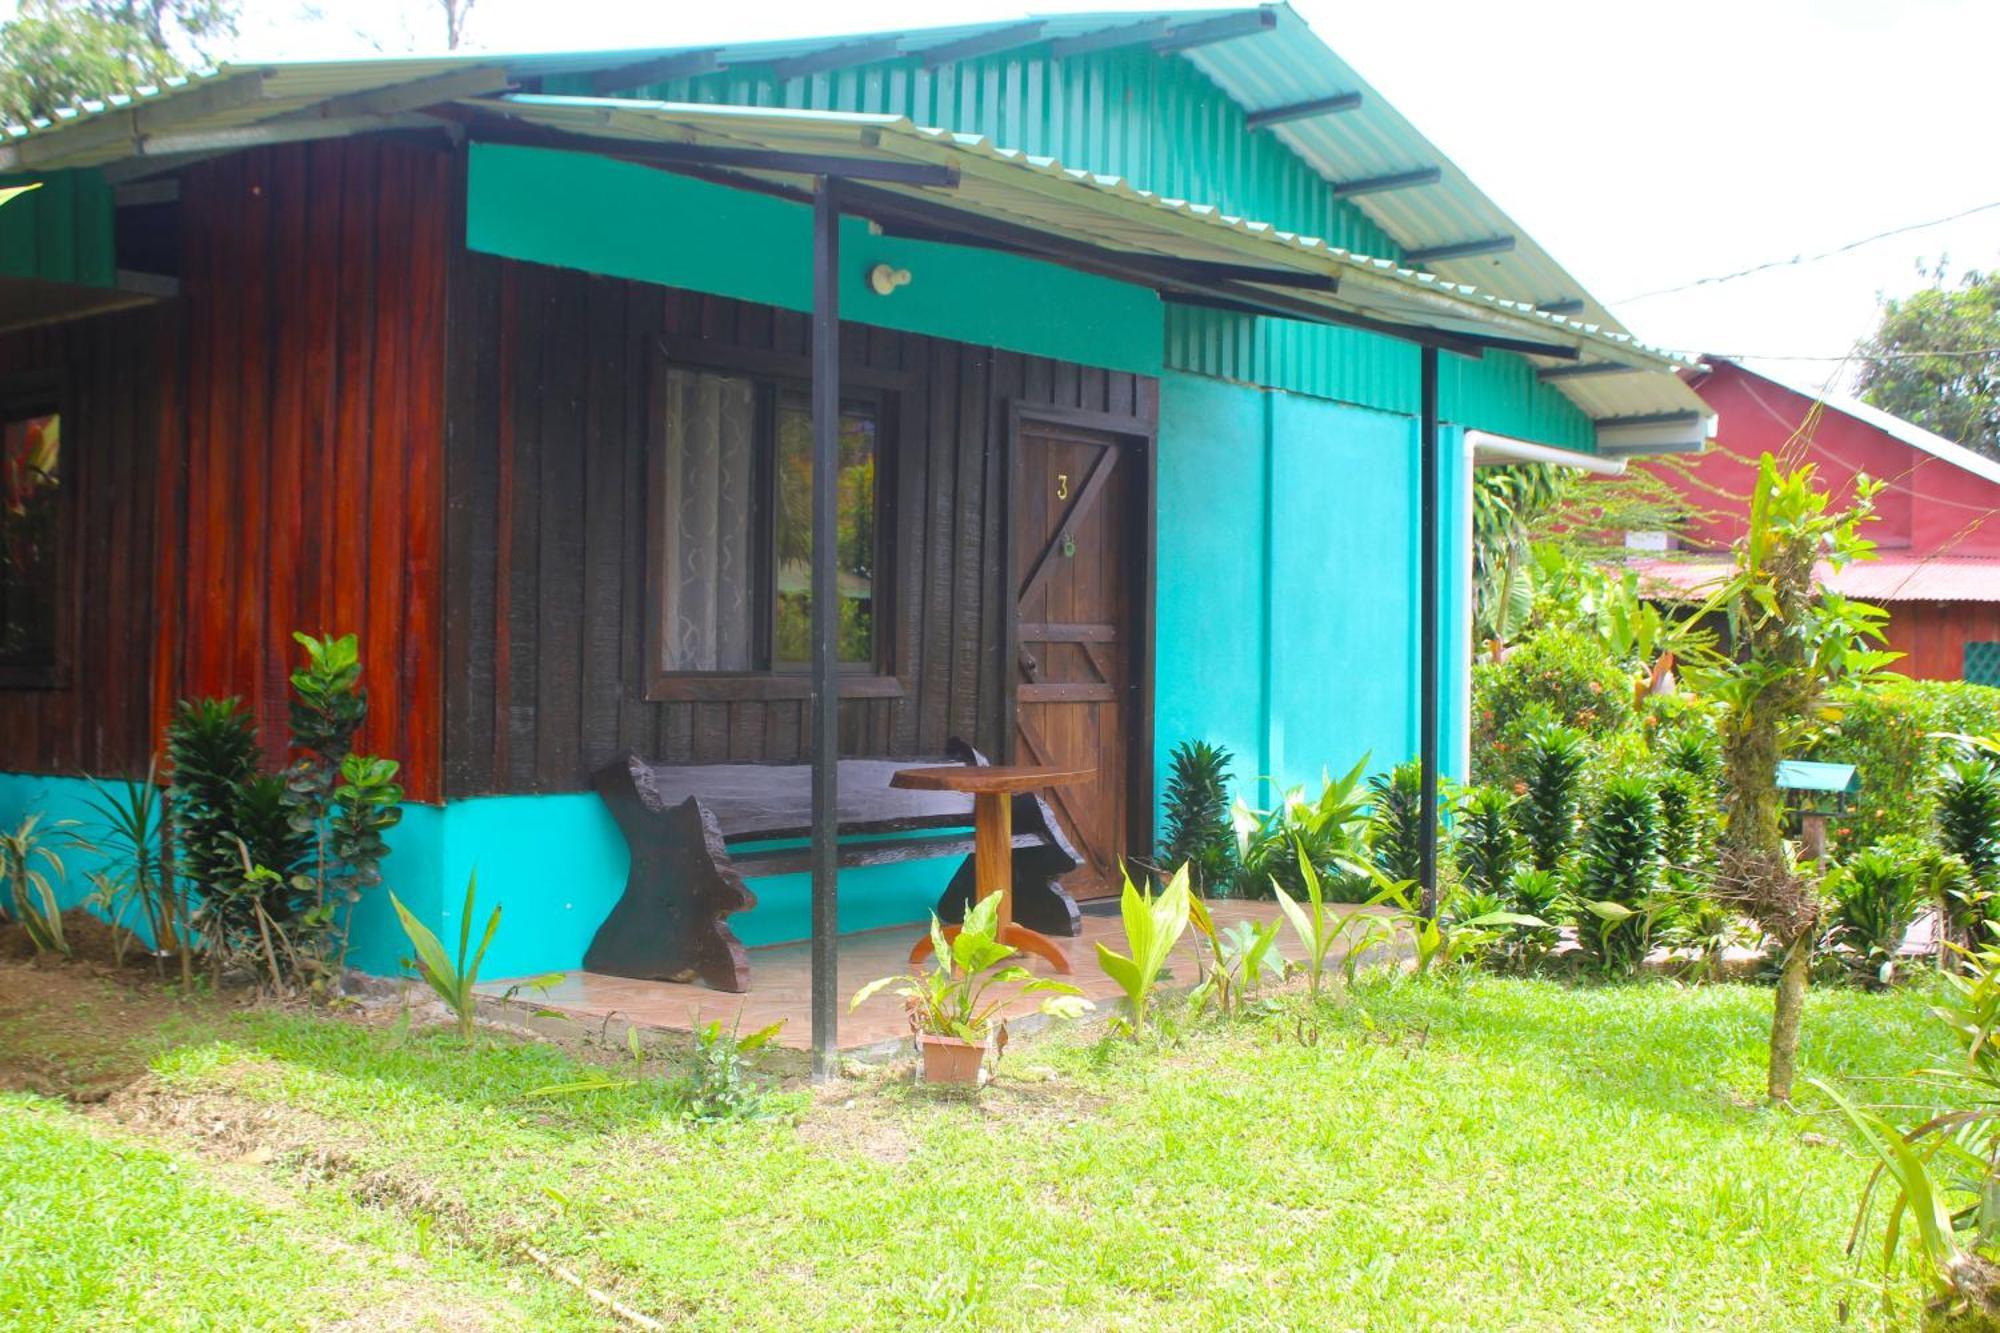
(731, 531)
(34, 533)
(1982, 663)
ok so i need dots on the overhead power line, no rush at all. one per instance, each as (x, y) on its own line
(1805, 259)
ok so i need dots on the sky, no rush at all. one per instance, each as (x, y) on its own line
(1645, 145)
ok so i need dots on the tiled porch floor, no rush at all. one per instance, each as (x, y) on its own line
(781, 983)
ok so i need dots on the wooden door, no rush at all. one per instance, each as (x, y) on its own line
(1076, 652)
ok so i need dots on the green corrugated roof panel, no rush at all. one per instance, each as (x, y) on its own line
(61, 232)
(1164, 126)
(1806, 775)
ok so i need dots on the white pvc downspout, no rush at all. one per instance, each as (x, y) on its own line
(1490, 450)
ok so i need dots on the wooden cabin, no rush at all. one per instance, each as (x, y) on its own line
(1159, 339)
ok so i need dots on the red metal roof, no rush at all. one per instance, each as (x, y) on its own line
(1891, 578)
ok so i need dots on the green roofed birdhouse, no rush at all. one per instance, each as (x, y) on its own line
(1813, 792)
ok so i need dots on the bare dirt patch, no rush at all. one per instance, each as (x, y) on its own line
(73, 1030)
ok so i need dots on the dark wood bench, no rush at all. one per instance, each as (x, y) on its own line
(695, 831)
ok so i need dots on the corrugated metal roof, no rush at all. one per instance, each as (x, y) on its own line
(1888, 579)
(1281, 66)
(1282, 62)
(1003, 183)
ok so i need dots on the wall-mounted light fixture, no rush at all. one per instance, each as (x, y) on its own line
(884, 279)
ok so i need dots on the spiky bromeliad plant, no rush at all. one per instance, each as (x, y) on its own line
(1199, 834)
(1395, 840)
(1968, 821)
(1488, 847)
(1790, 639)
(1618, 873)
(1554, 796)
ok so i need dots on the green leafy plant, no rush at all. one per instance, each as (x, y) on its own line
(1489, 850)
(1876, 896)
(1942, 1178)
(1319, 928)
(129, 836)
(719, 1085)
(1330, 828)
(964, 988)
(454, 980)
(1154, 923)
(1559, 676)
(1553, 793)
(1618, 873)
(1241, 958)
(342, 801)
(1196, 815)
(1688, 828)
(26, 859)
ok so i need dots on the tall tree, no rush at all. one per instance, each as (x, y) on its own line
(57, 53)
(1935, 359)
(1789, 638)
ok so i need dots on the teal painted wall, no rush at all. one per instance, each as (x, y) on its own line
(1165, 126)
(590, 213)
(556, 865)
(61, 232)
(412, 869)
(1288, 581)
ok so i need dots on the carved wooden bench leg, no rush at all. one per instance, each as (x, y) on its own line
(1040, 903)
(670, 924)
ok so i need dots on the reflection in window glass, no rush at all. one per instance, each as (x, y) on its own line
(30, 516)
(854, 555)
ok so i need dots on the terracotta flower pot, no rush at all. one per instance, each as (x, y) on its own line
(951, 1061)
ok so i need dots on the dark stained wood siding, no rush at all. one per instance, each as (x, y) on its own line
(314, 280)
(262, 455)
(114, 409)
(546, 470)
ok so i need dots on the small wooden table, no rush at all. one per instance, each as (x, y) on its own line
(993, 788)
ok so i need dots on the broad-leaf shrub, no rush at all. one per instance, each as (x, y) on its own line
(1893, 733)
(1558, 676)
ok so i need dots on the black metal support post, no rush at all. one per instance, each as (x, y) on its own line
(825, 620)
(1427, 637)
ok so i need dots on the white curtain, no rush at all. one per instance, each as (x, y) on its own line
(705, 507)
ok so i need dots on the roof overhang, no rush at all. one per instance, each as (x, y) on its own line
(936, 185)
(915, 181)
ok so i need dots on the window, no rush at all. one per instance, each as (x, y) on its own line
(732, 532)
(1982, 663)
(33, 534)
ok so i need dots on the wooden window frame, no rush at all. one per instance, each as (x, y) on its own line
(771, 374)
(35, 393)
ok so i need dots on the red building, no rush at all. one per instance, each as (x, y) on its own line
(1937, 538)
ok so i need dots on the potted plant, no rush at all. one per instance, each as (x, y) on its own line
(952, 1004)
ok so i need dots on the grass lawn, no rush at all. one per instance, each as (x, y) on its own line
(1497, 1154)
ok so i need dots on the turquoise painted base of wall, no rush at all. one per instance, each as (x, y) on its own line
(554, 865)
